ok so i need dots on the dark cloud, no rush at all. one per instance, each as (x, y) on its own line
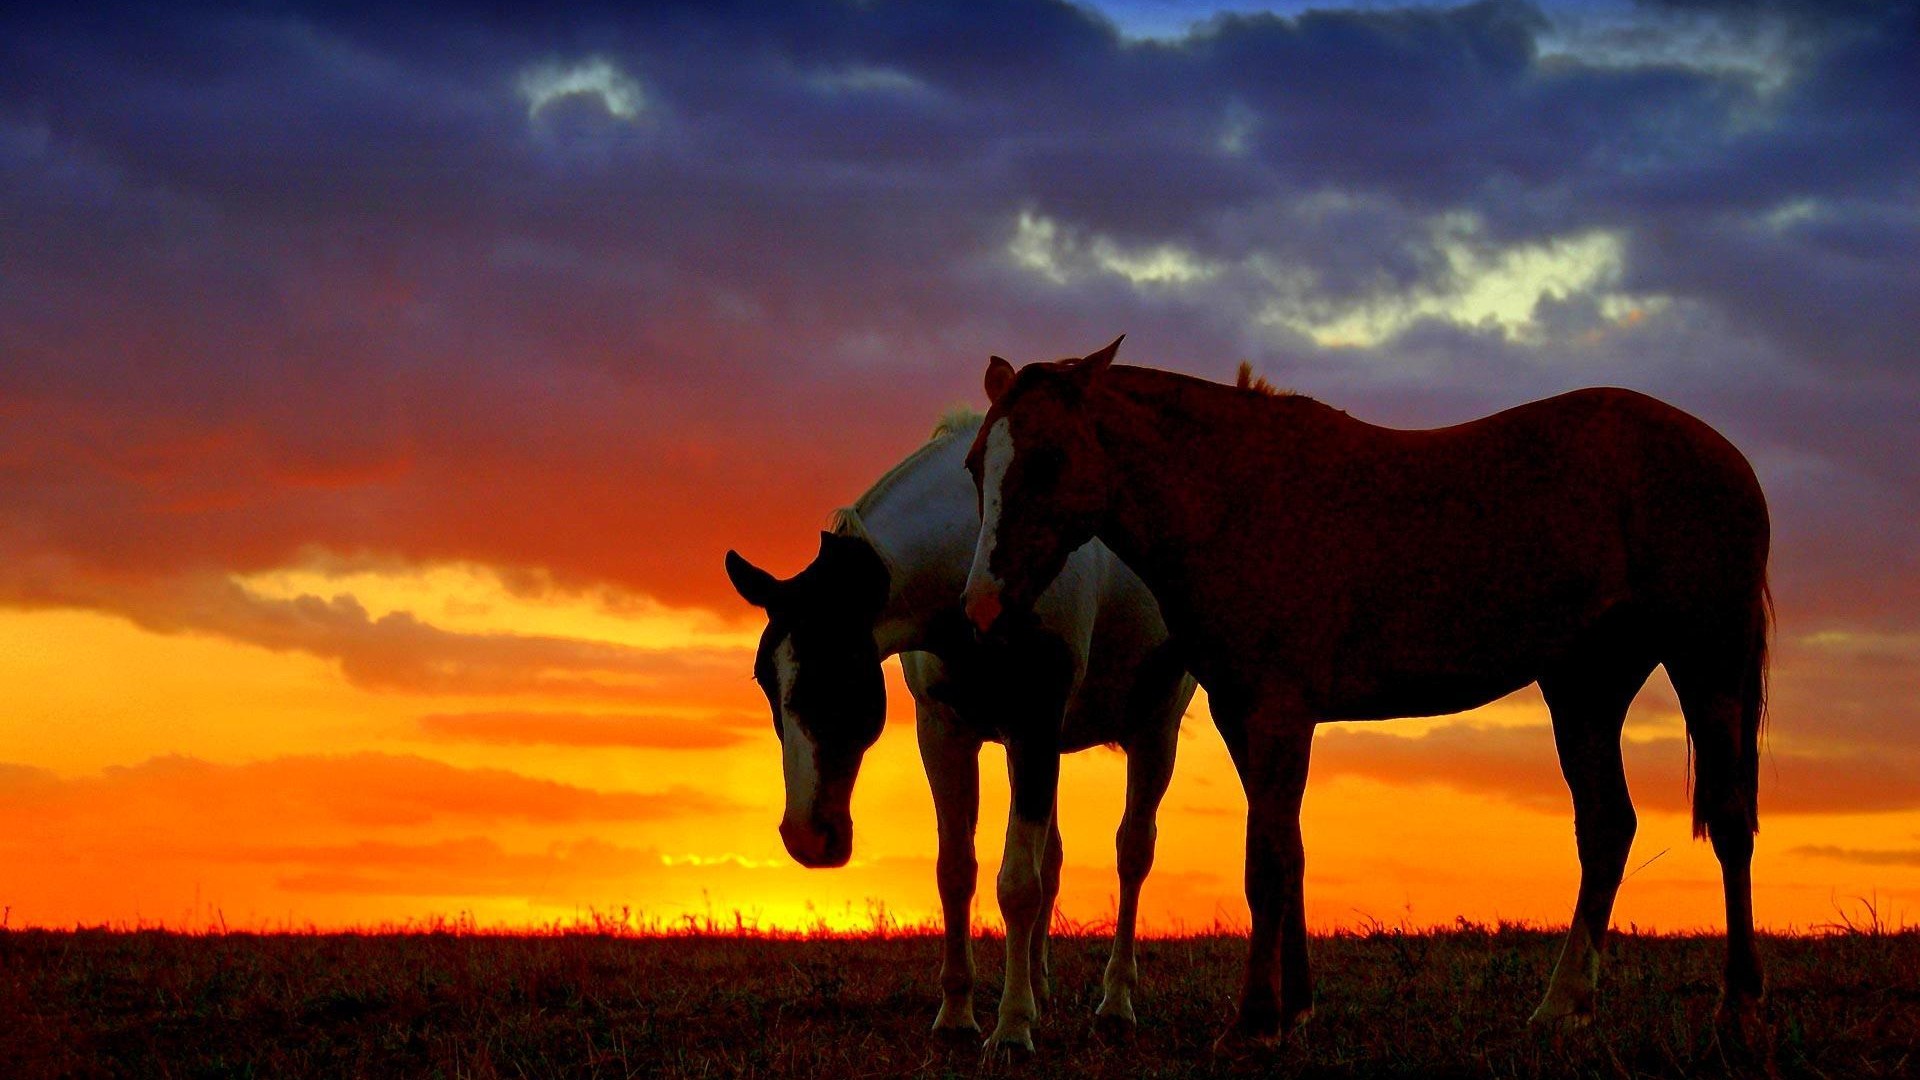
(293, 277)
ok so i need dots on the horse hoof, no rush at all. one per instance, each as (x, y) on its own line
(965, 1034)
(1235, 1045)
(1555, 1018)
(1737, 1020)
(1114, 1027)
(1261, 1036)
(1007, 1048)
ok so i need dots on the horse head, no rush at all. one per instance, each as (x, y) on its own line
(820, 668)
(1042, 478)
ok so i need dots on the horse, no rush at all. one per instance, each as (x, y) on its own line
(886, 581)
(1315, 567)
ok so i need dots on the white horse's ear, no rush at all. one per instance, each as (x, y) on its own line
(999, 378)
(1096, 362)
(755, 586)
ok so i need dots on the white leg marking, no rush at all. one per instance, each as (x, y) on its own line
(1570, 993)
(1050, 860)
(1020, 902)
(981, 583)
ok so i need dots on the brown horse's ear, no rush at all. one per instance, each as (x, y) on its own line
(999, 378)
(1096, 362)
(755, 586)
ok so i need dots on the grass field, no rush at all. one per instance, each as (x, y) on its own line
(461, 1004)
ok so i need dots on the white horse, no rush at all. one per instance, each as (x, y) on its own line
(1094, 666)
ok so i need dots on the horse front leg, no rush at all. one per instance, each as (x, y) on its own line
(952, 761)
(1042, 962)
(1278, 994)
(1033, 768)
(1149, 768)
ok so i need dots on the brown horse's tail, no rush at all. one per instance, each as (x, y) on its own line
(1719, 781)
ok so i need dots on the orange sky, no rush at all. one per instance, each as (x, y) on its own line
(626, 761)
(381, 385)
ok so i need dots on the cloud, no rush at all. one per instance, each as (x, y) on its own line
(183, 798)
(1040, 245)
(396, 650)
(739, 256)
(597, 80)
(589, 729)
(1518, 764)
(469, 866)
(1861, 856)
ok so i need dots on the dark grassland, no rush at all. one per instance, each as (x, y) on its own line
(461, 1004)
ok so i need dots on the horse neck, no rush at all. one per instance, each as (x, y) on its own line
(924, 525)
(1184, 453)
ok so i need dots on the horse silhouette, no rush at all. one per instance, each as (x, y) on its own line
(1095, 669)
(1314, 567)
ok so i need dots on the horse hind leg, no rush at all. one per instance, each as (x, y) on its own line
(1720, 681)
(1149, 768)
(1589, 707)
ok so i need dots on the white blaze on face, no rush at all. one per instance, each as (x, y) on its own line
(982, 587)
(797, 750)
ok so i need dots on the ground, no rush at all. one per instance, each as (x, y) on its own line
(104, 1003)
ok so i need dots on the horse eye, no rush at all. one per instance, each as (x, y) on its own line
(1044, 466)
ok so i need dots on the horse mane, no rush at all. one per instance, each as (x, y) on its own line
(1245, 379)
(952, 424)
(960, 418)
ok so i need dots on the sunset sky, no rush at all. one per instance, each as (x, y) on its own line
(381, 385)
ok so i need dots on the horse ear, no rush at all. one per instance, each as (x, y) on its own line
(755, 586)
(999, 378)
(1096, 362)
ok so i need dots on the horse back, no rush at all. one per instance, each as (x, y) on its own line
(1396, 572)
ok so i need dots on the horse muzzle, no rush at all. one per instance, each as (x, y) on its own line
(818, 845)
(982, 605)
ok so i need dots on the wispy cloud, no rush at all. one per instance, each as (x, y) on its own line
(593, 729)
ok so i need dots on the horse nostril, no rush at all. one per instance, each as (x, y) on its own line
(983, 610)
(836, 844)
(802, 843)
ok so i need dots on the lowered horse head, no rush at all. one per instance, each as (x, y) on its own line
(1043, 482)
(820, 667)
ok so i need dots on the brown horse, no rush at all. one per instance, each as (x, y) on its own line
(1314, 567)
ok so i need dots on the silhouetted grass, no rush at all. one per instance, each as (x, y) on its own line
(609, 1002)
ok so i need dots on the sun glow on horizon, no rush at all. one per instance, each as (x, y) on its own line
(357, 812)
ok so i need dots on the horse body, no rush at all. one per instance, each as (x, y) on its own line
(1316, 568)
(1094, 668)
(1390, 573)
